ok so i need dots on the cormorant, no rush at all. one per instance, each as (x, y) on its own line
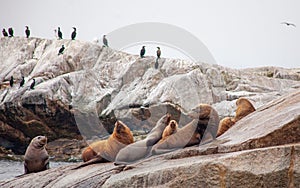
(10, 32)
(105, 42)
(5, 34)
(27, 32)
(11, 81)
(158, 52)
(59, 33)
(61, 50)
(73, 35)
(143, 51)
(288, 24)
(22, 82)
(32, 84)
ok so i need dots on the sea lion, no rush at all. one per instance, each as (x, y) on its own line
(169, 130)
(225, 124)
(141, 149)
(185, 136)
(107, 150)
(244, 107)
(36, 156)
(208, 121)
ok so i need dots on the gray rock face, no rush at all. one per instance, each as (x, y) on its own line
(250, 154)
(82, 92)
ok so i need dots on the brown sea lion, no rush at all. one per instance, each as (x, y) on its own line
(225, 124)
(107, 150)
(36, 156)
(141, 149)
(169, 130)
(185, 136)
(244, 107)
(208, 121)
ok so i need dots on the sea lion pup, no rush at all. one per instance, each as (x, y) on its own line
(244, 107)
(107, 150)
(141, 149)
(183, 137)
(208, 121)
(224, 125)
(36, 156)
(169, 130)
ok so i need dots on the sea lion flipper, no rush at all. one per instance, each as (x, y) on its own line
(95, 160)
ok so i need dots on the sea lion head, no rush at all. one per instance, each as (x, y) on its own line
(173, 124)
(123, 133)
(39, 142)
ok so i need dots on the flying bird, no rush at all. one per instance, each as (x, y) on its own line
(288, 24)
(61, 50)
(105, 42)
(27, 32)
(73, 35)
(143, 51)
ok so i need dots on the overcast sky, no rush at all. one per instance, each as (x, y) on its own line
(238, 33)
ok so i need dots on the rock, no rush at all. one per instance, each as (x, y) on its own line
(260, 150)
(80, 94)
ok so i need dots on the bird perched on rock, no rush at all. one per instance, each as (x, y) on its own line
(22, 82)
(10, 32)
(61, 50)
(5, 34)
(143, 51)
(73, 35)
(158, 52)
(27, 32)
(32, 84)
(105, 42)
(11, 81)
(59, 33)
(288, 24)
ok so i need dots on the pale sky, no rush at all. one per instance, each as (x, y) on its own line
(238, 33)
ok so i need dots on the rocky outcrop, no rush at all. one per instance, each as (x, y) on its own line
(260, 150)
(81, 93)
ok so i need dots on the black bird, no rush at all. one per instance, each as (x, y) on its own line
(5, 34)
(288, 24)
(11, 81)
(105, 42)
(158, 52)
(32, 84)
(22, 82)
(27, 32)
(59, 33)
(61, 50)
(143, 51)
(73, 35)
(10, 32)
